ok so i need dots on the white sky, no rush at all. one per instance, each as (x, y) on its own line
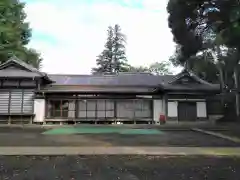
(71, 33)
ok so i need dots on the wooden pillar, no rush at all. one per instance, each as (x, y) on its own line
(76, 109)
(134, 108)
(9, 119)
(31, 120)
(115, 110)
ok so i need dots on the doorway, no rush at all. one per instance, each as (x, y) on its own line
(187, 111)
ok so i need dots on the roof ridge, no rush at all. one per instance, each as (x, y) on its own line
(77, 75)
(21, 62)
(25, 65)
(191, 74)
(104, 75)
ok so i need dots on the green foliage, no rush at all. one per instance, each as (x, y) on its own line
(113, 57)
(157, 68)
(181, 14)
(193, 21)
(104, 60)
(160, 68)
(31, 56)
(119, 53)
(204, 66)
(201, 26)
(175, 59)
(214, 26)
(15, 33)
(138, 69)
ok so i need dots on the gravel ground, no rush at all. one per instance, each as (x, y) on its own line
(33, 137)
(118, 167)
(168, 138)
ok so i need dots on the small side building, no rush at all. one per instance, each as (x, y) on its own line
(30, 96)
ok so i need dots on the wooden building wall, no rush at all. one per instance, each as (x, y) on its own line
(16, 99)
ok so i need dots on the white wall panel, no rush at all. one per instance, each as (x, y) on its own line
(157, 109)
(39, 110)
(173, 109)
(201, 109)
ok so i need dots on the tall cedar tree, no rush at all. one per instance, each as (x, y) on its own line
(113, 58)
(104, 60)
(119, 53)
(15, 33)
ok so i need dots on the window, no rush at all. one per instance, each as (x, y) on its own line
(100, 108)
(125, 109)
(61, 109)
(139, 108)
(91, 108)
(109, 108)
(105, 108)
(54, 108)
(142, 108)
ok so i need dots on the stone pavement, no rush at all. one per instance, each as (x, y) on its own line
(220, 135)
(175, 151)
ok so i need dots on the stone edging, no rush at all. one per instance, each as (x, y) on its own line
(171, 151)
(230, 138)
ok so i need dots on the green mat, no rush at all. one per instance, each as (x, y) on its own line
(99, 130)
(140, 131)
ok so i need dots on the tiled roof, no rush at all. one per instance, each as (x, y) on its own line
(19, 73)
(131, 82)
(92, 89)
(29, 72)
(199, 85)
(123, 79)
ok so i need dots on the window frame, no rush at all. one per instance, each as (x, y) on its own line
(52, 111)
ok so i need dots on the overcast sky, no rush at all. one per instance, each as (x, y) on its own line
(71, 33)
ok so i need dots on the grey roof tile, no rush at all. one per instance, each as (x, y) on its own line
(137, 79)
(131, 80)
(33, 72)
(18, 73)
(193, 87)
(98, 89)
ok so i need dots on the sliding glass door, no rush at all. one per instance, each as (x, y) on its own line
(61, 109)
(100, 109)
(95, 109)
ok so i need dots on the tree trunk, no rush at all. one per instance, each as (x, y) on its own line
(236, 89)
(222, 85)
(187, 65)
